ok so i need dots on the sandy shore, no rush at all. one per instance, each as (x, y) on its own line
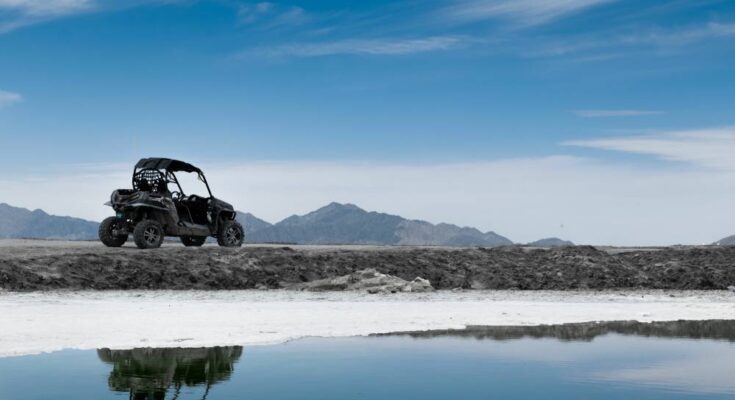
(48, 321)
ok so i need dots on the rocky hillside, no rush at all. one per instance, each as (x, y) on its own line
(348, 224)
(18, 222)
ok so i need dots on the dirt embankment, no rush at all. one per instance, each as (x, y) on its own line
(42, 267)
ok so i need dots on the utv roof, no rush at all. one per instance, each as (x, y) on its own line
(166, 164)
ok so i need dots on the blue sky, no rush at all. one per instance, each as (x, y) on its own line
(635, 87)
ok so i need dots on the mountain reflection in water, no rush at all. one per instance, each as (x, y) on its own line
(150, 373)
(587, 331)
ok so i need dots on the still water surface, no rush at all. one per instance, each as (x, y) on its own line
(681, 360)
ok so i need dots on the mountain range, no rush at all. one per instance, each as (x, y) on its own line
(332, 224)
(18, 222)
(348, 224)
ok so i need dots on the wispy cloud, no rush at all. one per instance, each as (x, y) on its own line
(9, 98)
(383, 46)
(710, 148)
(523, 12)
(680, 37)
(20, 13)
(272, 15)
(657, 38)
(250, 13)
(45, 7)
(15, 14)
(615, 113)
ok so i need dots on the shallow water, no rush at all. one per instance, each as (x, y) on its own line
(681, 360)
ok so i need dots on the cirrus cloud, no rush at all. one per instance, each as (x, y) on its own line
(523, 12)
(710, 148)
(15, 14)
(45, 7)
(382, 46)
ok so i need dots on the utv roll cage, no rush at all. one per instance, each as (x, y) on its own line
(144, 172)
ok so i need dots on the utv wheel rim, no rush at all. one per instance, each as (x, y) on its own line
(114, 227)
(151, 235)
(232, 235)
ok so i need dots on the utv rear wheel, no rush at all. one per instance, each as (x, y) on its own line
(148, 234)
(193, 241)
(230, 234)
(107, 235)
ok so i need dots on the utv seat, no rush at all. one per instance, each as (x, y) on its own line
(162, 189)
(144, 186)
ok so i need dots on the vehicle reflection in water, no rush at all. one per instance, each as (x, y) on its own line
(151, 373)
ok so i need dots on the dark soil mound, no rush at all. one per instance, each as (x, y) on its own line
(89, 267)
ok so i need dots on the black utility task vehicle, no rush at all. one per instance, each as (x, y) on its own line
(150, 211)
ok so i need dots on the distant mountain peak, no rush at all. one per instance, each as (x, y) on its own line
(339, 206)
(247, 214)
(329, 211)
(251, 223)
(346, 223)
(551, 242)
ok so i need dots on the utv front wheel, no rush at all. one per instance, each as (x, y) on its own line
(193, 241)
(107, 235)
(148, 234)
(230, 234)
